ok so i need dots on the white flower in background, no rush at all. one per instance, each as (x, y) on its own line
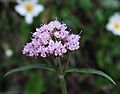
(8, 52)
(114, 24)
(29, 9)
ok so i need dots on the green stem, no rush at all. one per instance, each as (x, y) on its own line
(68, 61)
(63, 84)
(61, 77)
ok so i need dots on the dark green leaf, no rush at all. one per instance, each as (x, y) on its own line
(31, 66)
(93, 71)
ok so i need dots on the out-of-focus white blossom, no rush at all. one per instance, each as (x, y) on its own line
(114, 24)
(29, 9)
(8, 52)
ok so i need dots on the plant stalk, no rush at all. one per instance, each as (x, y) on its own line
(63, 84)
(62, 78)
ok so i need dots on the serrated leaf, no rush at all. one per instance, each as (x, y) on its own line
(31, 66)
(93, 71)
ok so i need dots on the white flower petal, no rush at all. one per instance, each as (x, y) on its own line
(110, 26)
(20, 9)
(115, 17)
(37, 9)
(29, 18)
(35, 1)
(116, 32)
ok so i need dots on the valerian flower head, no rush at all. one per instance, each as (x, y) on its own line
(114, 24)
(52, 39)
(29, 9)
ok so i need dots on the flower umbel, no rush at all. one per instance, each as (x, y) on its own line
(29, 9)
(114, 24)
(52, 39)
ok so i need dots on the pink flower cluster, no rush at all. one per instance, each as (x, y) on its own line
(52, 39)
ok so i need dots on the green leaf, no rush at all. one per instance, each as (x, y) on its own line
(93, 71)
(31, 66)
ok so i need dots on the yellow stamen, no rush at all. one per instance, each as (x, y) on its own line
(117, 25)
(29, 7)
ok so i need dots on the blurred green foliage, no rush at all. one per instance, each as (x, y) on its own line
(35, 84)
(100, 49)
